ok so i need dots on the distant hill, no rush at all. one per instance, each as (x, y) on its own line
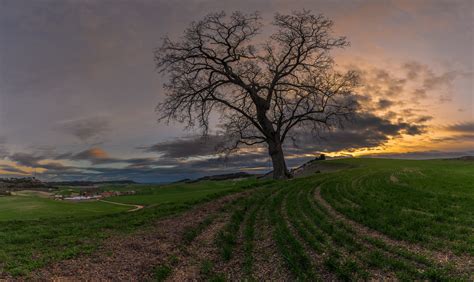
(16, 184)
(465, 158)
(90, 183)
(226, 176)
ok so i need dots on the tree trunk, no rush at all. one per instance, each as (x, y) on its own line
(274, 144)
(280, 171)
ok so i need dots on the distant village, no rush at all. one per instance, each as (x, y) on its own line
(92, 194)
(79, 191)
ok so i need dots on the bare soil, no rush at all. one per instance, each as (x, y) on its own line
(201, 250)
(133, 257)
(268, 263)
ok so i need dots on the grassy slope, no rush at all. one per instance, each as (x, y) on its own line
(35, 208)
(377, 193)
(27, 245)
(153, 195)
(428, 202)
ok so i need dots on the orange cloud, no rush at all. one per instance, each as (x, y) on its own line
(98, 153)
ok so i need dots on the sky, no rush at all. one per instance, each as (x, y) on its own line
(79, 87)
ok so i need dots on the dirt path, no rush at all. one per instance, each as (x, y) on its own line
(201, 251)
(133, 257)
(135, 207)
(268, 262)
(463, 263)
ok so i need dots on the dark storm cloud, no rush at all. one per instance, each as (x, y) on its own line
(188, 146)
(12, 169)
(96, 155)
(459, 132)
(142, 169)
(245, 159)
(56, 166)
(385, 103)
(26, 159)
(149, 170)
(461, 127)
(364, 131)
(196, 156)
(85, 129)
(454, 138)
(372, 123)
(37, 161)
(423, 119)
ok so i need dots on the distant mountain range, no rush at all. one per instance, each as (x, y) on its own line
(226, 176)
(90, 183)
(15, 184)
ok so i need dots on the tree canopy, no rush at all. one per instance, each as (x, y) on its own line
(263, 89)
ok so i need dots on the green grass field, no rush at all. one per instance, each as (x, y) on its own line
(35, 231)
(37, 208)
(426, 206)
(149, 195)
(426, 202)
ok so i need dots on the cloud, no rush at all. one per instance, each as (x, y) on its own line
(423, 119)
(26, 159)
(454, 138)
(188, 147)
(385, 103)
(86, 129)
(3, 147)
(12, 170)
(416, 81)
(366, 130)
(381, 83)
(459, 132)
(38, 161)
(95, 155)
(413, 69)
(461, 127)
(429, 80)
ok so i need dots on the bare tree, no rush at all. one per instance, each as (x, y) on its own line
(263, 90)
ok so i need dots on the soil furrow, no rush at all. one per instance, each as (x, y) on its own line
(268, 263)
(133, 257)
(464, 264)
